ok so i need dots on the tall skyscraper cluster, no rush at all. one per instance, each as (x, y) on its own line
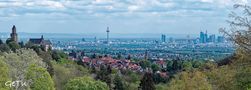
(205, 38)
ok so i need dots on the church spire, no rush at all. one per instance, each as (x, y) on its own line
(42, 37)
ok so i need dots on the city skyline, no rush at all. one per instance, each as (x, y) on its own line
(139, 16)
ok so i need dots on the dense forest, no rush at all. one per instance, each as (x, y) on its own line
(51, 70)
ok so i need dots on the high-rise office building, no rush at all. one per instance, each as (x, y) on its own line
(163, 38)
(205, 37)
(202, 37)
(220, 39)
(212, 38)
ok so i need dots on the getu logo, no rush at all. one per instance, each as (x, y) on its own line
(15, 84)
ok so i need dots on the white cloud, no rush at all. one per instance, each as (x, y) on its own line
(115, 7)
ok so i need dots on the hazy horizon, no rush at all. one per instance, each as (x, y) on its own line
(122, 16)
(101, 35)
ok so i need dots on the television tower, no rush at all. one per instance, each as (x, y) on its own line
(107, 31)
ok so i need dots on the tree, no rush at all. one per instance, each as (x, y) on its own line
(147, 82)
(169, 65)
(1, 41)
(238, 71)
(177, 65)
(193, 80)
(4, 48)
(56, 56)
(40, 78)
(94, 56)
(46, 56)
(240, 27)
(4, 75)
(155, 67)
(85, 83)
(118, 83)
(105, 75)
(63, 72)
(187, 65)
(21, 44)
(129, 57)
(8, 41)
(197, 64)
(243, 79)
(119, 56)
(19, 63)
(145, 64)
(13, 46)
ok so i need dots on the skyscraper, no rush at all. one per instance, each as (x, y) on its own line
(107, 37)
(163, 38)
(205, 37)
(212, 38)
(220, 39)
(95, 39)
(202, 36)
(13, 35)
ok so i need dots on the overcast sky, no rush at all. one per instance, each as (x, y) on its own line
(122, 16)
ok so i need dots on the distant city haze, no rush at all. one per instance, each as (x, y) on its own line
(23, 35)
(185, 17)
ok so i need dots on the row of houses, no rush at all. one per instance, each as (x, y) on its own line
(124, 64)
(114, 63)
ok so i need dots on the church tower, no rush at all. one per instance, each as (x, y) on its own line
(13, 34)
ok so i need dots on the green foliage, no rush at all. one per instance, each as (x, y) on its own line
(19, 64)
(194, 80)
(85, 83)
(155, 67)
(40, 78)
(239, 30)
(169, 65)
(58, 55)
(36, 48)
(1, 41)
(118, 83)
(187, 65)
(134, 78)
(177, 65)
(63, 72)
(161, 87)
(119, 56)
(147, 82)
(145, 64)
(4, 48)
(8, 41)
(46, 56)
(243, 78)
(235, 76)
(4, 75)
(105, 75)
(158, 79)
(197, 63)
(131, 86)
(13, 46)
(94, 56)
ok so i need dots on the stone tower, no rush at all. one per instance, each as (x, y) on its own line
(13, 35)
